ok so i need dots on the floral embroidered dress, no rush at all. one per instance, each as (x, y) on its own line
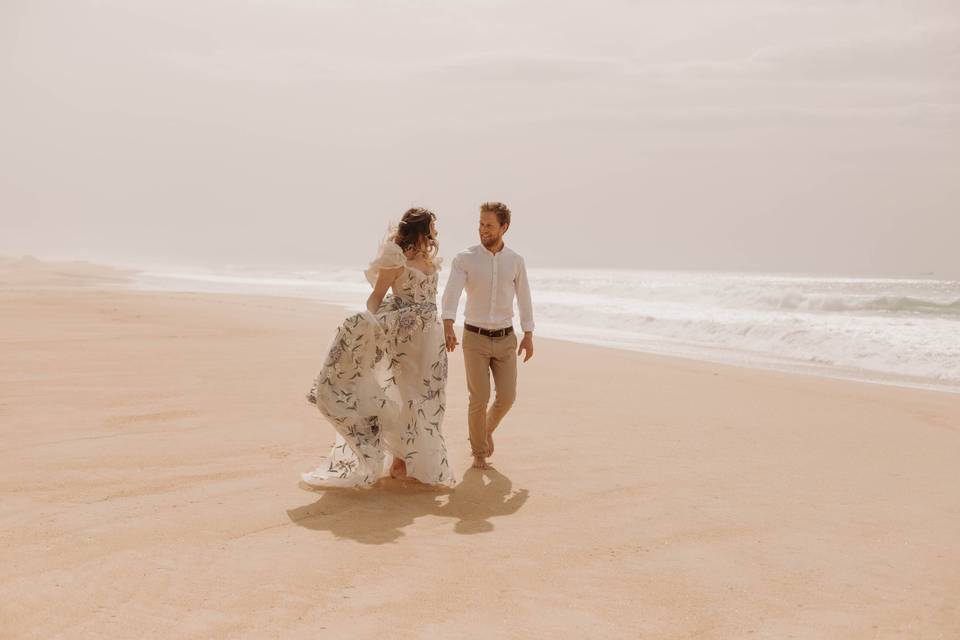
(382, 386)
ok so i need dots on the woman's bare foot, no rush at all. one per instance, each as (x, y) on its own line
(489, 443)
(480, 462)
(398, 469)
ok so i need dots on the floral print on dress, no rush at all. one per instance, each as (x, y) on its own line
(382, 385)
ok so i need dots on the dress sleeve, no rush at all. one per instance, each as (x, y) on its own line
(390, 256)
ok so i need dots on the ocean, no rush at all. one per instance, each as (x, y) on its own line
(902, 331)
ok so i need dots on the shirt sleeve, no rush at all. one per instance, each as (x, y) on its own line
(524, 301)
(454, 288)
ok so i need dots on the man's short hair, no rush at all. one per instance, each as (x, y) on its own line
(502, 211)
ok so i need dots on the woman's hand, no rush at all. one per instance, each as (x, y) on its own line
(449, 335)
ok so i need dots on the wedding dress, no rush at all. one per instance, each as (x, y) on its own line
(382, 385)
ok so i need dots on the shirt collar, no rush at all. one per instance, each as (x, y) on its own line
(491, 253)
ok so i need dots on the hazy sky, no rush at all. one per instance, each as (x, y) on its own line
(787, 135)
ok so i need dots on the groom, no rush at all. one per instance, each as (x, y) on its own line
(492, 275)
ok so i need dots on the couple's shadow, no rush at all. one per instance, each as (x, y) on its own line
(378, 515)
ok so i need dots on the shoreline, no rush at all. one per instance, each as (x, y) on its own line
(126, 277)
(734, 357)
(788, 369)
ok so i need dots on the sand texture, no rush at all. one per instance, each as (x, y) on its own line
(152, 445)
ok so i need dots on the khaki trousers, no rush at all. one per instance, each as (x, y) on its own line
(483, 356)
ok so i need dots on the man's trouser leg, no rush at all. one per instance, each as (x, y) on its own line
(476, 361)
(503, 363)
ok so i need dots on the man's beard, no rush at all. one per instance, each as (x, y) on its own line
(491, 242)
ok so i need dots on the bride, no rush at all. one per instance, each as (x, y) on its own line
(382, 385)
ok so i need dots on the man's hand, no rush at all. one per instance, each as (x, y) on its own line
(526, 345)
(449, 336)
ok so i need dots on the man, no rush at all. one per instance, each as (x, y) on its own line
(492, 275)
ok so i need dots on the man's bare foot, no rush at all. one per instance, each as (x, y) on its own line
(479, 462)
(398, 469)
(489, 443)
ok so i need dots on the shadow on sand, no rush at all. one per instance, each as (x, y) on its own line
(378, 515)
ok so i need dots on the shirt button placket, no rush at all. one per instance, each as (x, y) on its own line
(493, 289)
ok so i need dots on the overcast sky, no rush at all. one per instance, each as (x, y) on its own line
(771, 135)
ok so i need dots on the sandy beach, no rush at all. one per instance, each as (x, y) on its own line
(152, 445)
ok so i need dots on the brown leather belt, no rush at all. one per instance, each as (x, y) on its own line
(496, 333)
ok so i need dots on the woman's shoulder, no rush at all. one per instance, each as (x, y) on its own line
(391, 249)
(389, 256)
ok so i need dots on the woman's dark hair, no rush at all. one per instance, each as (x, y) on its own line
(413, 232)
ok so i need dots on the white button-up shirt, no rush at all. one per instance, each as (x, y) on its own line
(491, 280)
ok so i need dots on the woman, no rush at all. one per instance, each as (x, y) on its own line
(382, 386)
